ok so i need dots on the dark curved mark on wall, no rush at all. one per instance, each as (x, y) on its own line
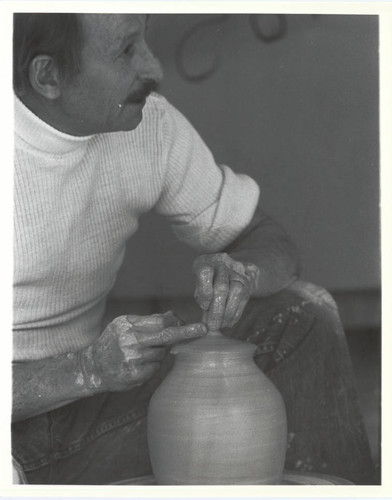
(179, 57)
(268, 27)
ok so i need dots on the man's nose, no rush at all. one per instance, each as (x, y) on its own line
(149, 66)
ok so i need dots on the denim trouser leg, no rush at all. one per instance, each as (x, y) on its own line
(302, 349)
(97, 440)
(300, 346)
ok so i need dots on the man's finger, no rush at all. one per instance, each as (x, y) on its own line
(153, 322)
(171, 335)
(236, 294)
(240, 310)
(218, 304)
(204, 285)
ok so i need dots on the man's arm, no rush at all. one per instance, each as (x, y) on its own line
(127, 354)
(43, 385)
(260, 262)
(265, 244)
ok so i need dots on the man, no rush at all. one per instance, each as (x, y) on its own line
(94, 150)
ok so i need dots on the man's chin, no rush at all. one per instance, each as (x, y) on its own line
(130, 123)
(141, 102)
(136, 103)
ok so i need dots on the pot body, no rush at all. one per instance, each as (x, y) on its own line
(216, 418)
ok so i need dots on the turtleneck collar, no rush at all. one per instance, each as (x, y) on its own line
(42, 136)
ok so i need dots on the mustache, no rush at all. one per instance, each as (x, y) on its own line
(143, 92)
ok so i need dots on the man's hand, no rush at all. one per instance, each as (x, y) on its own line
(125, 355)
(223, 288)
(130, 349)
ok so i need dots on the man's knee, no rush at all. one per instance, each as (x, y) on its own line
(281, 323)
(300, 304)
(314, 295)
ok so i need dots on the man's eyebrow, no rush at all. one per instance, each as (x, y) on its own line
(126, 38)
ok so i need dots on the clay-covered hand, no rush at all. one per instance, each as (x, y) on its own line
(223, 288)
(130, 350)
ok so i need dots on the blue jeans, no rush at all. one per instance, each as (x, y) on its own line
(301, 347)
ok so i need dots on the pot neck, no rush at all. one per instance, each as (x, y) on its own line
(214, 345)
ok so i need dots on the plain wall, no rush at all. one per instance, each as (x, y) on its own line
(300, 115)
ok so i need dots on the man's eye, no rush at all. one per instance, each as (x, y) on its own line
(128, 49)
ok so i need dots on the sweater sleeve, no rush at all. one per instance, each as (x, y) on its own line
(208, 205)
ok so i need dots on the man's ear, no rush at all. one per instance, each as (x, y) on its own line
(44, 76)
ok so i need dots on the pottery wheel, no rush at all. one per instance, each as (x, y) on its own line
(289, 478)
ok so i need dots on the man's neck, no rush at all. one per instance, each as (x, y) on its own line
(47, 111)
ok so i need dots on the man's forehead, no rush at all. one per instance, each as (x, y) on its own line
(111, 29)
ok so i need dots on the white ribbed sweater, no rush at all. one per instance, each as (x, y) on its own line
(77, 202)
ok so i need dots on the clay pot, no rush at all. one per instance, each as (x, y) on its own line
(216, 418)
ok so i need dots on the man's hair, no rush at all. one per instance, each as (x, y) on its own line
(57, 35)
